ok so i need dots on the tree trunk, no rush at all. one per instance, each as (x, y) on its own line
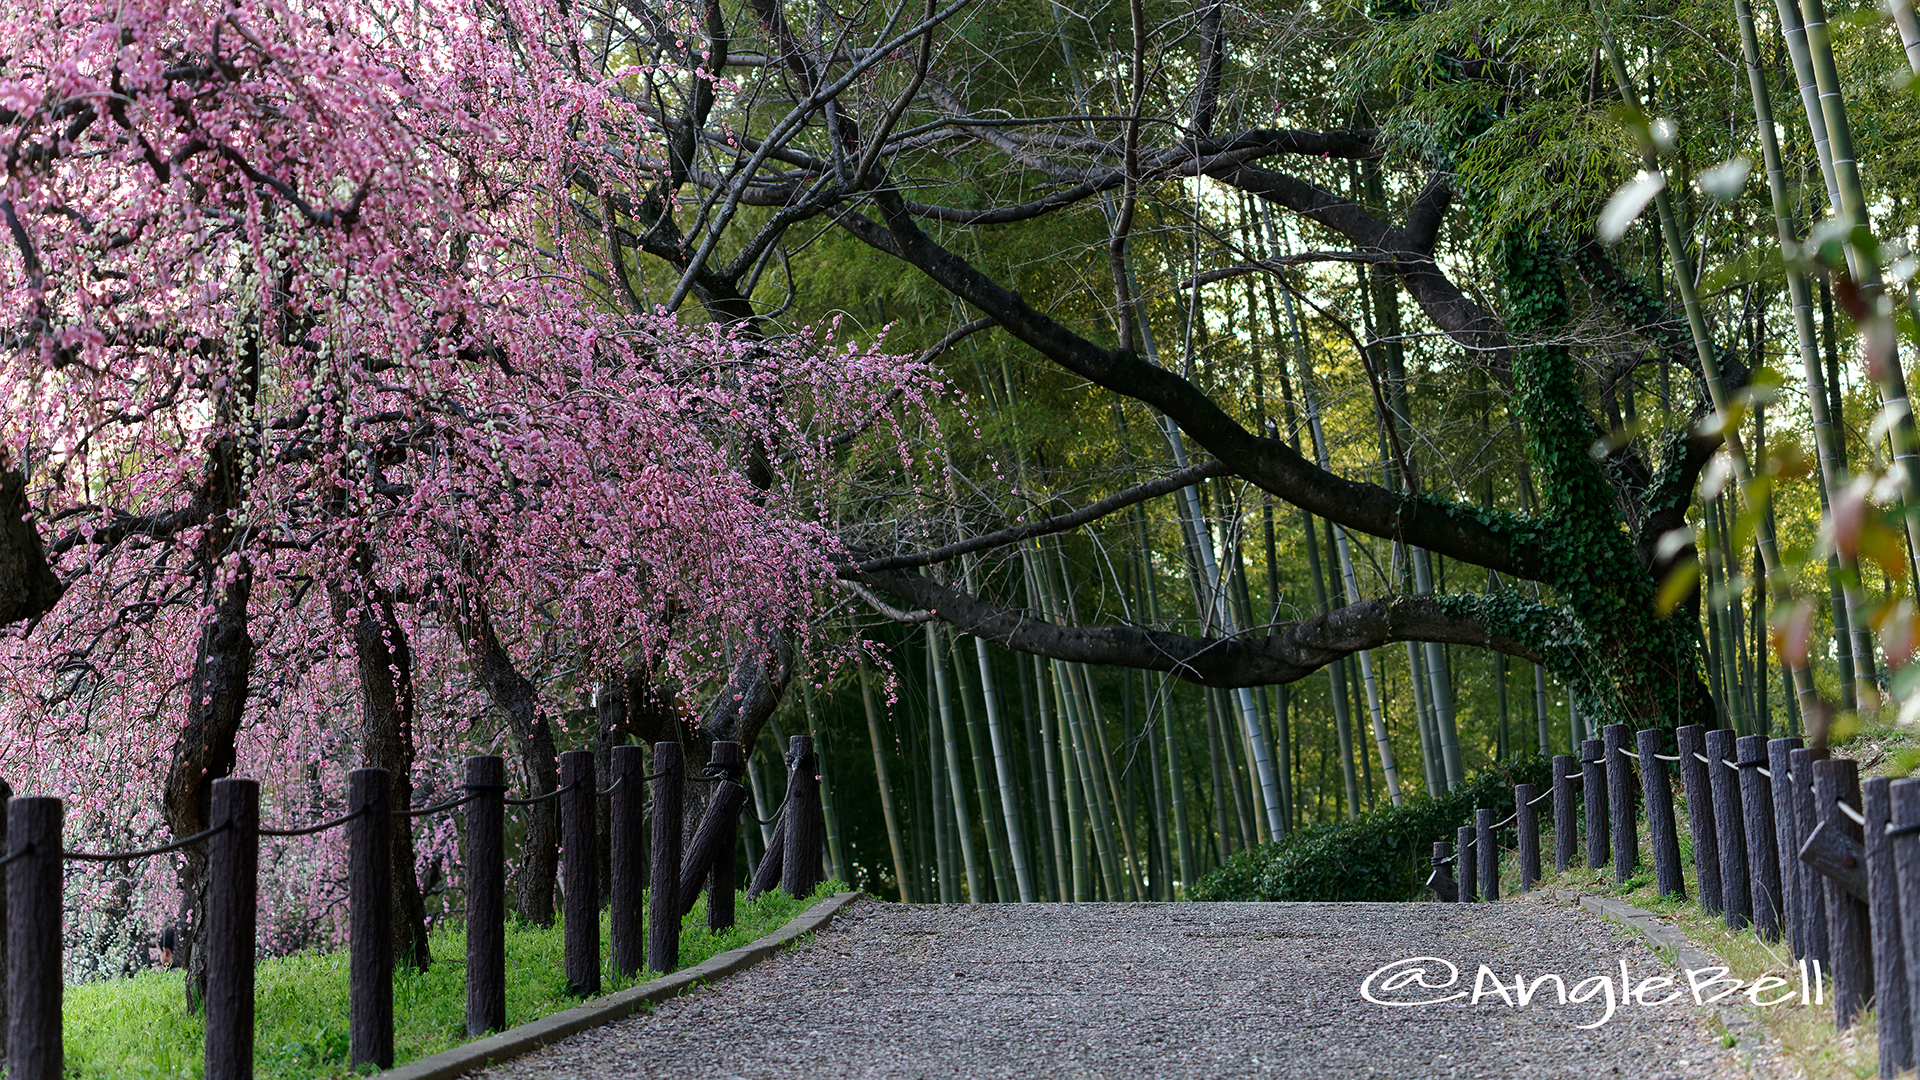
(535, 873)
(217, 696)
(384, 661)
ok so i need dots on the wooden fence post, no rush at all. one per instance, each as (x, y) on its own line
(1763, 858)
(1892, 988)
(1736, 895)
(6, 794)
(800, 870)
(370, 900)
(1566, 830)
(1441, 880)
(580, 875)
(1848, 936)
(723, 879)
(1626, 839)
(35, 1049)
(1488, 852)
(1657, 789)
(710, 853)
(663, 905)
(1813, 895)
(625, 818)
(1593, 790)
(1526, 830)
(1463, 843)
(1692, 743)
(767, 874)
(233, 889)
(486, 895)
(1787, 842)
(1904, 795)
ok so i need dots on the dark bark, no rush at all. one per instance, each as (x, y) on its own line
(28, 587)
(535, 874)
(217, 696)
(1290, 653)
(384, 661)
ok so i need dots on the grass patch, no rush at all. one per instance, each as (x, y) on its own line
(140, 1027)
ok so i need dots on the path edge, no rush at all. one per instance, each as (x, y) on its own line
(531, 1036)
(1737, 1020)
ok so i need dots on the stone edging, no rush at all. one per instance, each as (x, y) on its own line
(532, 1036)
(1737, 1019)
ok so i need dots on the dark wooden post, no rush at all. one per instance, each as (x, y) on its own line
(34, 978)
(1813, 895)
(1526, 830)
(663, 906)
(6, 793)
(719, 831)
(800, 870)
(1692, 741)
(486, 895)
(1736, 896)
(233, 884)
(1487, 848)
(1469, 884)
(1441, 880)
(1848, 936)
(1593, 789)
(1763, 858)
(625, 818)
(726, 761)
(1892, 991)
(767, 874)
(1626, 839)
(580, 874)
(1904, 796)
(1566, 830)
(1787, 841)
(1657, 789)
(370, 898)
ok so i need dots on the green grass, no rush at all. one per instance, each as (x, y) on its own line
(140, 1027)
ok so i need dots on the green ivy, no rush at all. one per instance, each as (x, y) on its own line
(1384, 854)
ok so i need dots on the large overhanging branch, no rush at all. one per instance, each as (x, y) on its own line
(1290, 653)
(1473, 536)
(1152, 489)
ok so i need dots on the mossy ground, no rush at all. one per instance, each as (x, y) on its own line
(140, 1028)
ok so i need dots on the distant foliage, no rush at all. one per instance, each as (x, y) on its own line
(1384, 854)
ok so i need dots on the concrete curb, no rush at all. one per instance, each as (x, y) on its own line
(1738, 1020)
(532, 1036)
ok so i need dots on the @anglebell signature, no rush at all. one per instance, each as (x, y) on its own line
(1431, 980)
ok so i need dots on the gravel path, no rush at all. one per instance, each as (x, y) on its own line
(1158, 990)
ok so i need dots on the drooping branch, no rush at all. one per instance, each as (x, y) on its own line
(1152, 489)
(1289, 653)
(1473, 536)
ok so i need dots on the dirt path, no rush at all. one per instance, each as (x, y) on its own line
(1162, 990)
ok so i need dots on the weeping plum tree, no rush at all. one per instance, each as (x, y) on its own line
(306, 366)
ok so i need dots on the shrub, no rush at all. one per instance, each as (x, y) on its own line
(1384, 854)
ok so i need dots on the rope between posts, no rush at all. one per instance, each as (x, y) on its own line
(121, 856)
(1908, 829)
(1858, 817)
(1629, 753)
(322, 827)
(1668, 757)
(554, 794)
(1511, 818)
(448, 805)
(24, 849)
(1543, 797)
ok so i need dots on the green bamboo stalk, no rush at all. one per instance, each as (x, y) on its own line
(956, 785)
(1003, 770)
(941, 821)
(1175, 781)
(895, 843)
(1828, 447)
(1703, 346)
(999, 861)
